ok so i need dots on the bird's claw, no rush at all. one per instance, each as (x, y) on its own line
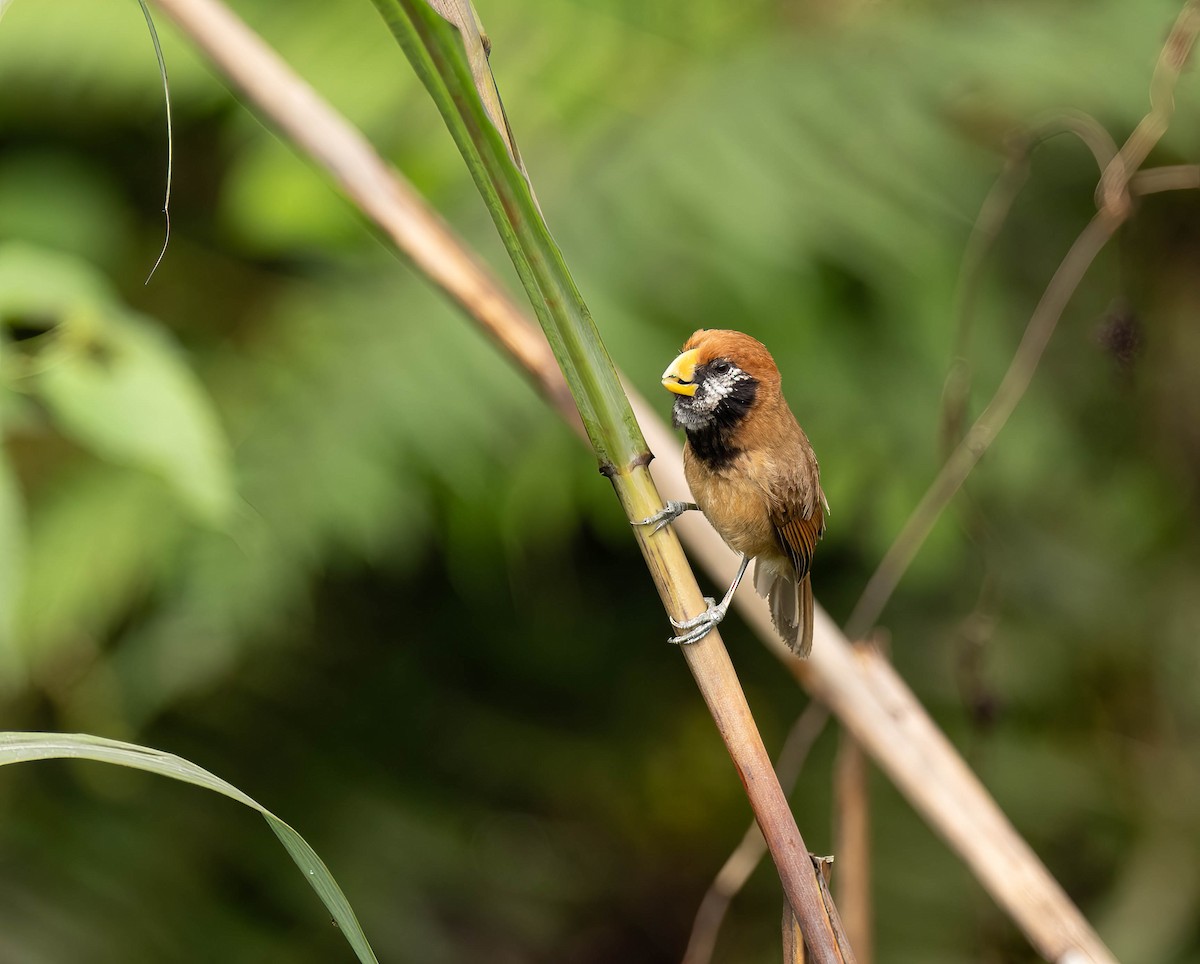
(666, 515)
(696, 628)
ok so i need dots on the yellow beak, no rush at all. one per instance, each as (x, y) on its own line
(678, 376)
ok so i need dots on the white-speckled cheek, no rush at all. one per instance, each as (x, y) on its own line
(697, 411)
(717, 387)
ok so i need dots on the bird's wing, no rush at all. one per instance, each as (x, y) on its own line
(798, 527)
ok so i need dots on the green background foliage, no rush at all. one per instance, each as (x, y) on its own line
(282, 512)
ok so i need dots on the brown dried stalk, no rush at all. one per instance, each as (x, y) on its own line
(993, 213)
(853, 846)
(748, 854)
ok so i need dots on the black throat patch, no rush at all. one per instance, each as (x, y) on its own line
(712, 440)
(713, 447)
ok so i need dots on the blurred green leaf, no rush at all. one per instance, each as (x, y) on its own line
(95, 544)
(113, 381)
(29, 747)
(273, 202)
(65, 202)
(48, 287)
(131, 399)
(12, 551)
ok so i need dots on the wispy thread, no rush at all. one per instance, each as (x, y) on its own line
(162, 70)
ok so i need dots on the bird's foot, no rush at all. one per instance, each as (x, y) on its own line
(696, 628)
(666, 515)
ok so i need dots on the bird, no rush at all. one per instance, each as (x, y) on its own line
(753, 474)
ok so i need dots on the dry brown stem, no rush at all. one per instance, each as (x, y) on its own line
(993, 214)
(793, 940)
(1177, 177)
(1112, 192)
(853, 846)
(748, 854)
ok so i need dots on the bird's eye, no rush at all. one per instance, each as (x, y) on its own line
(719, 367)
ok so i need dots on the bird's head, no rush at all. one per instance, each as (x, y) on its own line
(719, 377)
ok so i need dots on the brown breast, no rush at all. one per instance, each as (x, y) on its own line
(733, 503)
(766, 501)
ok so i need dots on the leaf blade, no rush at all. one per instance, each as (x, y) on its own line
(17, 747)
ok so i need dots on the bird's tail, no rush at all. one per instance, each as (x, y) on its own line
(791, 604)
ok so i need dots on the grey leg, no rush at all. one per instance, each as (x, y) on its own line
(666, 515)
(696, 628)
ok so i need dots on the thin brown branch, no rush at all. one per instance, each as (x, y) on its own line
(852, 814)
(963, 459)
(993, 213)
(1084, 126)
(1175, 177)
(793, 944)
(871, 701)
(748, 854)
(824, 868)
(1112, 192)
(793, 940)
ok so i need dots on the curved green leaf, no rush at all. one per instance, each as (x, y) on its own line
(28, 747)
(131, 399)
